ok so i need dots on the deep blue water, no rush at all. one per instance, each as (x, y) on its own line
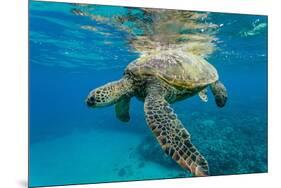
(71, 143)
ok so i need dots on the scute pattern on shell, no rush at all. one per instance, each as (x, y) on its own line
(176, 67)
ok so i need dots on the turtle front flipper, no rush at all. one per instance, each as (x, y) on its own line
(172, 136)
(122, 108)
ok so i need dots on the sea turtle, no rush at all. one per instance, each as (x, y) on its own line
(159, 79)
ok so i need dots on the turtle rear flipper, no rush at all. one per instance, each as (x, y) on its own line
(172, 136)
(122, 108)
(203, 95)
(220, 93)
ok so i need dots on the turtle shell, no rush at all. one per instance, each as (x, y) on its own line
(177, 68)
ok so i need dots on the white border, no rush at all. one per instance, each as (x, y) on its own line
(13, 93)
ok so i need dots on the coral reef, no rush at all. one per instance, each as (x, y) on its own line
(231, 145)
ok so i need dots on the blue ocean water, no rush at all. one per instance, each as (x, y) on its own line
(72, 144)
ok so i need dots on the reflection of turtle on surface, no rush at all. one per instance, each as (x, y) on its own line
(160, 78)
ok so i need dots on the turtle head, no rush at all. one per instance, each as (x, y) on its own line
(108, 94)
(99, 97)
(91, 99)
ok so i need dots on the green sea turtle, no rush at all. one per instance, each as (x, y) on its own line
(160, 78)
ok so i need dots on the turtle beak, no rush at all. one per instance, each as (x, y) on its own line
(90, 101)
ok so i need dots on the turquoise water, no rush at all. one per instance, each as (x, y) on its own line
(73, 144)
